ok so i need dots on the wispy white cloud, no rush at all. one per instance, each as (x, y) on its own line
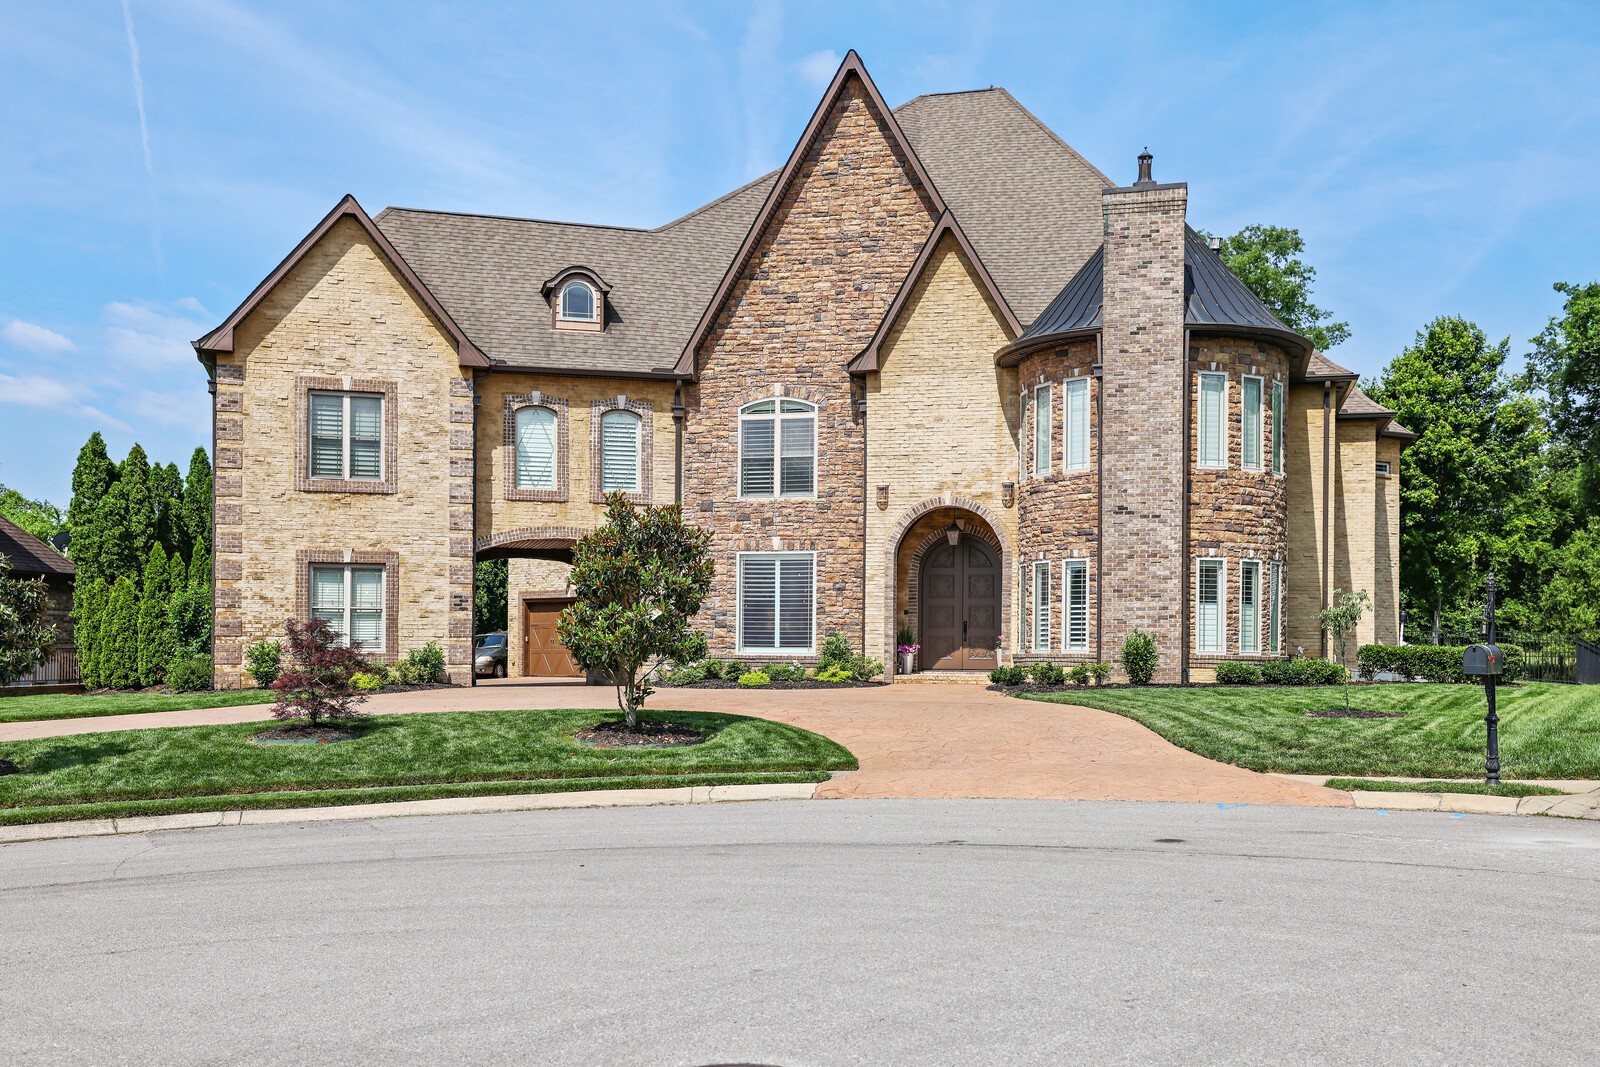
(817, 69)
(35, 338)
(54, 394)
(151, 336)
(138, 88)
(184, 406)
(760, 82)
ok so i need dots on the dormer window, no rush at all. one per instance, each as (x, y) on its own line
(577, 298)
(577, 302)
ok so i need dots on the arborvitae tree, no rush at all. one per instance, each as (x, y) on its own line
(135, 474)
(177, 574)
(200, 568)
(155, 632)
(117, 644)
(197, 499)
(88, 608)
(91, 478)
(189, 610)
(166, 495)
(111, 529)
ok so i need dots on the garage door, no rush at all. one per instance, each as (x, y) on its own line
(542, 654)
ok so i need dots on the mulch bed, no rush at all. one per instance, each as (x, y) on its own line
(616, 734)
(1341, 713)
(304, 735)
(417, 688)
(808, 683)
(7, 767)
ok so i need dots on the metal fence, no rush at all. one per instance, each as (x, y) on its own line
(60, 667)
(1545, 657)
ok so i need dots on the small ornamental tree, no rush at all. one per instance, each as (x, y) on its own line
(1340, 619)
(638, 579)
(315, 681)
(25, 636)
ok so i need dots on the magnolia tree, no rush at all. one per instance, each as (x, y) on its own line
(1340, 619)
(25, 637)
(315, 681)
(638, 580)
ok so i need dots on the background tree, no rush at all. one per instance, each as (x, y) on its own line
(639, 579)
(89, 600)
(39, 517)
(1267, 259)
(133, 476)
(25, 636)
(1565, 363)
(197, 499)
(91, 480)
(489, 596)
(189, 611)
(166, 497)
(117, 642)
(1570, 592)
(155, 631)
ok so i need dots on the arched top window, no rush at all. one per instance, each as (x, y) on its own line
(578, 302)
(778, 448)
(536, 448)
(620, 451)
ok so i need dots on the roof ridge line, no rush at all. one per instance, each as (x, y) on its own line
(1054, 136)
(730, 194)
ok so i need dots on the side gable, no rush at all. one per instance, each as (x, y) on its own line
(221, 338)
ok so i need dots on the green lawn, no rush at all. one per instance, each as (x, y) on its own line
(397, 757)
(88, 705)
(1504, 789)
(1546, 730)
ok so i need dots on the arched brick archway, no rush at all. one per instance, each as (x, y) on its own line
(531, 542)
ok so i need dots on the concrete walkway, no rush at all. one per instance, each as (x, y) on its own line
(913, 741)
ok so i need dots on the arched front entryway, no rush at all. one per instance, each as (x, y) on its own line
(951, 561)
(538, 560)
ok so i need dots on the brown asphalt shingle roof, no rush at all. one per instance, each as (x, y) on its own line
(28, 554)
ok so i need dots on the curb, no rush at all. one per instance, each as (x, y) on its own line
(597, 798)
(1571, 806)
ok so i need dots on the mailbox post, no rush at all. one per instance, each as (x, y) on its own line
(1486, 661)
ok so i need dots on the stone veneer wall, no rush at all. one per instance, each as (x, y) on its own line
(342, 312)
(1143, 387)
(813, 292)
(1060, 511)
(528, 579)
(1236, 514)
(941, 419)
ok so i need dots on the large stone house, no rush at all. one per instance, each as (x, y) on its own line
(938, 373)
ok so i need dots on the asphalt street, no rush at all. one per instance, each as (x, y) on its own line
(837, 932)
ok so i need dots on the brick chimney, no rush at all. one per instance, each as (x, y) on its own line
(1142, 355)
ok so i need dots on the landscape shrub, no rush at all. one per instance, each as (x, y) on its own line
(1047, 674)
(1238, 674)
(1140, 657)
(1436, 663)
(784, 672)
(715, 668)
(263, 659)
(754, 679)
(865, 668)
(315, 682)
(1079, 675)
(189, 674)
(422, 666)
(1100, 672)
(835, 652)
(1008, 676)
(1303, 672)
(366, 681)
(834, 673)
(688, 674)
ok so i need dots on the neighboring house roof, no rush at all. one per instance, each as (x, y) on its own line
(28, 554)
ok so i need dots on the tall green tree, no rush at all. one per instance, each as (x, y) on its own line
(117, 643)
(489, 596)
(166, 497)
(25, 635)
(197, 499)
(88, 608)
(190, 608)
(39, 517)
(1570, 593)
(1565, 363)
(1479, 444)
(155, 631)
(113, 532)
(1267, 259)
(133, 474)
(91, 479)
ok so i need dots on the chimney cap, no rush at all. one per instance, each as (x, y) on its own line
(1145, 159)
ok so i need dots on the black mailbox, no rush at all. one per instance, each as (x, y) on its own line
(1482, 661)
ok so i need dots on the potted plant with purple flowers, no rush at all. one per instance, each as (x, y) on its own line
(907, 649)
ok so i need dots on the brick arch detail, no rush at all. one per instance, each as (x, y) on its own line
(533, 537)
(991, 532)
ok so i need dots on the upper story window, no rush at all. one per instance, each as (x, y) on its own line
(1043, 423)
(619, 451)
(1075, 424)
(1213, 420)
(1277, 428)
(577, 298)
(577, 302)
(778, 448)
(1383, 467)
(536, 447)
(1253, 421)
(346, 434)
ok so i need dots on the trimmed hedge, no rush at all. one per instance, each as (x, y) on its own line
(1436, 663)
(1281, 672)
(1238, 674)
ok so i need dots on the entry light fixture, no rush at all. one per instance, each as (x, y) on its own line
(952, 533)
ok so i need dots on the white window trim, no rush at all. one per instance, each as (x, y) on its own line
(1067, 567)
(1274, 642)
(1222, 431)
(1280, 404)
(346, 434)
(1383, 468)
(349, 570)
(1260, 575)
(1034, 614)
(1048, 414)
(561, 302)
(1222, 605)
(778, 415)
(1069, 426)
(738, 619)
(1261, 417)
(638, 450)
(555, 449)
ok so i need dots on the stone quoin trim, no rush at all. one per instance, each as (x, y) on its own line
(645, 409)
(558, 405)
(305, 558)
(303, 481)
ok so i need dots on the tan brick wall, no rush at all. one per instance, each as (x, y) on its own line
(1386, 564)
(814, 291)
(341, 312)
(1303, 464)
(525, 579)
(1355, 514)
(941, 419)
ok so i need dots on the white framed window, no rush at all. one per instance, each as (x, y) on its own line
(1250, 605)
(577, 302)
(1041, 605)
(778, 449)
(1213, 418)
(351, 599)
(619, 451)
(1252, 417)
(346, 435)
(1043, 418)
(1277, 428)
(1075, 577)
(1274, 606)
(1075, 424)
(535, 450)
(1383, 468)
(777, 602)
(1210, 592)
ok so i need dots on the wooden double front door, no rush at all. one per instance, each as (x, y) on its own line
(960, 596)
(542, 654)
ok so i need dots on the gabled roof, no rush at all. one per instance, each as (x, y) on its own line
(221, 338)
(1358, 405)
(1321, 368)
(28, 554)
(946, 226)
(851, 69)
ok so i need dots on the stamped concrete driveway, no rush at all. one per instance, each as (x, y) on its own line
(925, 740)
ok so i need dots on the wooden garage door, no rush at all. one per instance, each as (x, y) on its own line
(542, 654)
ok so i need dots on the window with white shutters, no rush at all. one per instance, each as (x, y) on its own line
(351, 600)
(1250, 606)
(1077, 625)
(778, 449)
(1277, 429)
(536, 448)
(346, 435)
(1213, 416)
(1209, 580)
(1041, 606)
(1043, 418)
(619, 452)
(777, 602)
(1075, 426)
(1251, 416)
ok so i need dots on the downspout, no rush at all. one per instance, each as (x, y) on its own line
(1188, 496)
(678, 413)
(211, 387)
(1098, 372)
(1327, 503)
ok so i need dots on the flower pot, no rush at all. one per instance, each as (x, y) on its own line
(908, 662)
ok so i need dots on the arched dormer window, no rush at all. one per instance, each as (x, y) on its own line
(778, 448)
(577, 301)
(577, 298)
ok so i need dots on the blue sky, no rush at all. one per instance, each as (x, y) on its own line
(157, 158)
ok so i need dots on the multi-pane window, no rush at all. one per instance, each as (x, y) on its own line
(350, 598)
(536, 448)
(619, 452)
(1277, 427)
(1213, 417)
(1274, 605)
(1208, 617)
(1383, 467)
(577, 302)
(1043, 417)
(1250, 606)
(777, 449)
(1075, 428)
(1041, 606)
(1252, 418)
(347, 436)
(1077, 623)
(777, 593)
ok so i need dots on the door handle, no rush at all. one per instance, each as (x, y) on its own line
(963, 631)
